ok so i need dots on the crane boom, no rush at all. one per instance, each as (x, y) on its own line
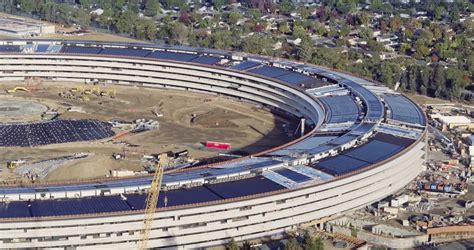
(151, 202)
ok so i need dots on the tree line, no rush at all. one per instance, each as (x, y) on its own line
(433, 58)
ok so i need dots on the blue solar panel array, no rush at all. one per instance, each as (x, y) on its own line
(94, 204)
(125, 52)
(285, 75)
(245, 65)
(9, 48)
(379, 148)
(404, 110)
(175, 197)
(81, 50)
(340, 108)
(374, 151)
(340, 164)
(295, 78)
(292, 175)
(402, 141)
(244, 187)
(269, 71)
(52, 132)
(183, 57)
(116, 203)
(209, 60)
(14, 209)
(42, 48)
(375, 109)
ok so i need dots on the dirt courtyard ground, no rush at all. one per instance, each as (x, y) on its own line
(188, 119)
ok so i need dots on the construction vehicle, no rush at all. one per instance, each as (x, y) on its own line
(10, 91)
(14, 164)
(151, 201)
(112, 93)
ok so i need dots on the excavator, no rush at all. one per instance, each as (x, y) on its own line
(11, 91)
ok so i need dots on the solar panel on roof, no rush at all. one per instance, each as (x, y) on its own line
(245, 65)
(342, 139)
(295, 78)
(269, 71)
(41, 48)
(292, 175)
(9, 48)
(93, 204)
(209, 60)
(375, 109)
(402, 141)
(250, 186)
(80, 50)
(125, 52)
(176, 197)
(404, 110)
(374, 151)
(340, 108)
(14, 209)
(175, 56)
(340, 164)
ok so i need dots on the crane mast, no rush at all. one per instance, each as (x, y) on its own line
(151, 202)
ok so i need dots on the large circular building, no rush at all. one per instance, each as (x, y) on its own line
(361, 142)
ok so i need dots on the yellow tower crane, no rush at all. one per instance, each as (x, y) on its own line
(152, 201)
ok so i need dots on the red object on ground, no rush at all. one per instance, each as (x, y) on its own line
(218, 145)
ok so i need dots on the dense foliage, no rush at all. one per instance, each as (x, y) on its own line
(433, 56)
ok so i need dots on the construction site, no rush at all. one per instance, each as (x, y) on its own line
(145, 123)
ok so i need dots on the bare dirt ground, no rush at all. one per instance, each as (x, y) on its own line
(188, 120)
(90, 35)
(421, 100)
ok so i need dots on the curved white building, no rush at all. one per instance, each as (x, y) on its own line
(374, 150)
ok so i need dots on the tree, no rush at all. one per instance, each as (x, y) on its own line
(292, 244)
(256, 14)
(232, 245)
(286, 7)
(299, 31)
(318, 244)
(404, 47)
(257, 44)
(105, 4)
(421, 51)
(366, 33)
(438, 12)
(82, 18)
(86, 4)
(234, 17)
(222, 40)
(284, 28)
(219, 3)
(305, 13)
(305, 50)
(106, 19)
(151, 7)
(125, 22)
(27, 6)
(454, 13)
(345, 30)
(179, 33)
(395, 24)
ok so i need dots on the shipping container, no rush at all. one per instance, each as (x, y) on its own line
(441, 187)
(218, 145)
(448, 188)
